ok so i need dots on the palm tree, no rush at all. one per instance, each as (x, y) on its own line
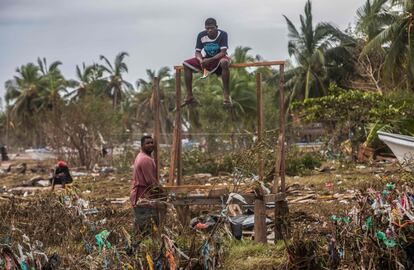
(54, 83)
(116, 84)
(143, 99)
(372, 18)
(23, 95)
(308, 47)
(90, 81)
(23, 91)
(397, 41)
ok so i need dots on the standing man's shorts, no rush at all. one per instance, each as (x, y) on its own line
(213, 67)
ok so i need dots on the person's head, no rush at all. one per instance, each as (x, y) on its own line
(211, 27)
(61, 164)
(147, 144)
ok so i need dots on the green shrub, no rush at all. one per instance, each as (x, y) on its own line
(302, 164)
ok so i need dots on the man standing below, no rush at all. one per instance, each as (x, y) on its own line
(144, 176)
(214, 43)
(144, 181)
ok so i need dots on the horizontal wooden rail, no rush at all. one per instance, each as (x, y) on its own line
(251, 64)
(269, 199)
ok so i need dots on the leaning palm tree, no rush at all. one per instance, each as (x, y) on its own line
(116, 84)
(308, 45)
(397, 40)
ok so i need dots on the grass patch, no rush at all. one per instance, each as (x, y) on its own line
(248, 255)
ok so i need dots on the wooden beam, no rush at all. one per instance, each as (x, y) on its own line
(156, 96)
(244, 65)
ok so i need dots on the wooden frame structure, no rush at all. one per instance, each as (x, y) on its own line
(175, 170)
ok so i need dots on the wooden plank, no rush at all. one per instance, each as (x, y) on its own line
(251, 64)
(155, 89)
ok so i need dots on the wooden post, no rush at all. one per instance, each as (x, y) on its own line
(179, 131)
(282, 127)
(156, 92)
(260, 230)
(259, 125)
(175, 160)
(281, 207)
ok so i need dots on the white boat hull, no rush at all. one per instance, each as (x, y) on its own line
(401, 145)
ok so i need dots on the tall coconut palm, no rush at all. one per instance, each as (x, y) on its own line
(143, 99)
(372, 18)
(54, 83)
(397, 40)
(308, 46)
(90, 81)
(116, 84)
(23, 99)
(23, 91)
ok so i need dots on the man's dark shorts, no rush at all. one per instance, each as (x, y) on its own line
(212, 67)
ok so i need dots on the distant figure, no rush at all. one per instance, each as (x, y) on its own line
(61, 175)
(214, 43)
(144, 185)
(3, 152)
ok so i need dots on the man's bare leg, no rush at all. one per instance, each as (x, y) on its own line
(188, 77)
(225, 77)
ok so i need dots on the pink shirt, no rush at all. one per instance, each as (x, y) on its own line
(144, 176)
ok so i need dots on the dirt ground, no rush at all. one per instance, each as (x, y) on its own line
(44, 216)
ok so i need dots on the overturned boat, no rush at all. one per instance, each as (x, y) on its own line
(401, 145)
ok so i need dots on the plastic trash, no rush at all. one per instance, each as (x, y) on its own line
(150, 262)
(390, 243)
(247, 221)
(101, 240)
(235, 196)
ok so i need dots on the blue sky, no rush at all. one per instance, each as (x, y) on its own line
(155, 33)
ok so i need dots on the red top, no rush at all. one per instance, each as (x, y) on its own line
(144, 176)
